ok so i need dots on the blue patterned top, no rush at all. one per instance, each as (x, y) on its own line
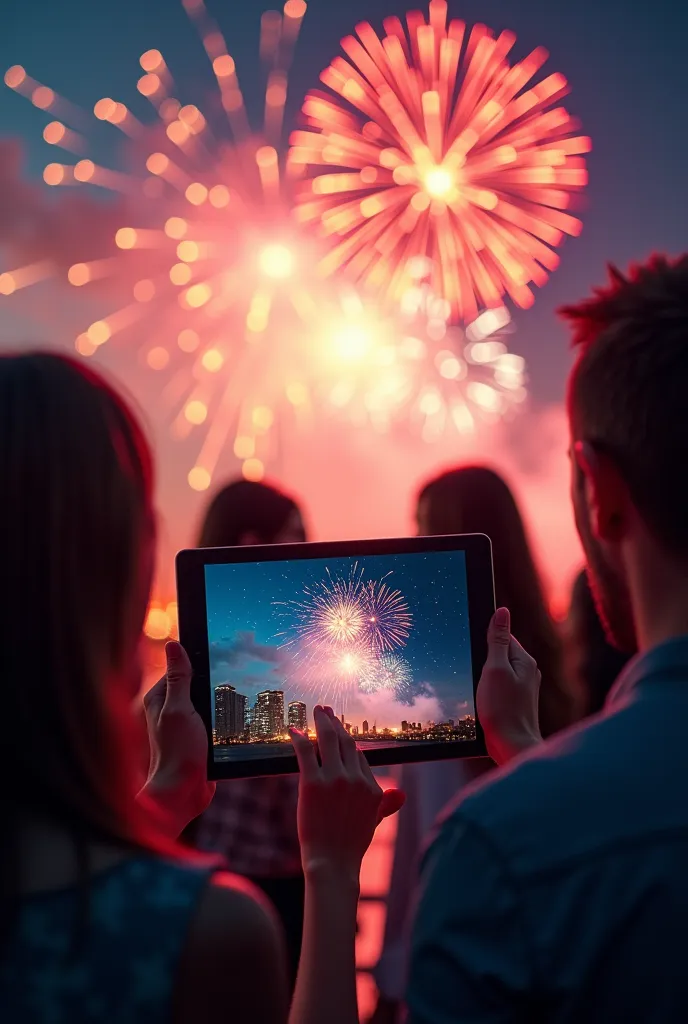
(123, 971)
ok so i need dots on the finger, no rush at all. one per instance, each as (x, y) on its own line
(365, 769)
(305, 754)
(499, 638)
(154, 700)
(178, 675)
(328, 742)
(347, 749)
(517, 651)
(518, 656)
(392, 801)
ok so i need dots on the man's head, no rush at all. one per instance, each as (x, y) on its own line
(628, 413)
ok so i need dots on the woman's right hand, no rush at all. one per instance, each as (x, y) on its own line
(340, 802)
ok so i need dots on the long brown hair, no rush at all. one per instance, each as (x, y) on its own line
(475, 499)
(76, 525)
(246, 507)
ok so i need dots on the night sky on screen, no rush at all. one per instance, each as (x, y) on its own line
(245, 618)
(624, 61)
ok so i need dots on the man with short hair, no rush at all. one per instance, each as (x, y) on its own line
(557, 891)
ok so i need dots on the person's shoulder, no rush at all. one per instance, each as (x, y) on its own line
(234, 930)
(232, 911)
(535, 810)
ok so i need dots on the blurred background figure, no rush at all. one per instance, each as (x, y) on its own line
(470, 499)
(252, 822)
(593, 665)
(475, 499)
(244, 512)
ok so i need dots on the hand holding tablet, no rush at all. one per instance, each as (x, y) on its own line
(391, 634)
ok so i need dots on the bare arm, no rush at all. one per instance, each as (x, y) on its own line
(326, 982)
(340, 805)
(234, 965)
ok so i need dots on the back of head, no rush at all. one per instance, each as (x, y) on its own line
(475, 499)
(248, 512)
(77, 534)
(627, 392)
(595, 664)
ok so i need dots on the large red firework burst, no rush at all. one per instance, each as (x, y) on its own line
(433, 144)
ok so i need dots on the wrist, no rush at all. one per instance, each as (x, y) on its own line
(320, 872)
(157, 799)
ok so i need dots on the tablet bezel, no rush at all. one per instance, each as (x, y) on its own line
(193, 633)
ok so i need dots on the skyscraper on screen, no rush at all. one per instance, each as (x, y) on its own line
(297, 715)
(230, 712)
(269, 713)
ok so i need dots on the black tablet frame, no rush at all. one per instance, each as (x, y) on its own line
(193, 633)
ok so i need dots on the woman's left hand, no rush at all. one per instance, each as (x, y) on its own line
(177, 785)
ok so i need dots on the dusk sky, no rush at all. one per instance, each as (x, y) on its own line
(625, 65)
(624, 62)
(246, 615)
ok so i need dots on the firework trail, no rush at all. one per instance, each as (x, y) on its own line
(388, 672)
(456, 378)
(387, 618)
(348, 612)
(338, 633)
(329, 675)
(430, 143)
(206, 251)
(411, 368)
(329, 614)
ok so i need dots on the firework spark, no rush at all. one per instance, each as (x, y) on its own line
(416, 369)
(206, 252)
(387, 618)
(347, 614)
(456, 378)
(433, 144)
(340, 633)
(388, 672)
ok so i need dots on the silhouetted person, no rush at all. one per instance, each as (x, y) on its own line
(103, 916)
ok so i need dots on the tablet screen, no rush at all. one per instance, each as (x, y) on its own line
(383, 639)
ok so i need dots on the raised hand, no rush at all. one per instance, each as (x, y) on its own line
(507, 696)
(340, 802)
(177, 786)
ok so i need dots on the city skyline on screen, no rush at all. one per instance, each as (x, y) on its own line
(383, 639)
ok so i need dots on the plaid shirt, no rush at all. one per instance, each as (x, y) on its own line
(252, 823)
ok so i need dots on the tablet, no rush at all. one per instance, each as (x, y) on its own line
(392, 634)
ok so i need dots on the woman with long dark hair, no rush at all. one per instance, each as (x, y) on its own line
(245, 512)
(104, 917)
(252, 822)
(475, 499)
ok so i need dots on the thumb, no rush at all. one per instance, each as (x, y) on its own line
(392, 801)
(499, 638)
(178, 675)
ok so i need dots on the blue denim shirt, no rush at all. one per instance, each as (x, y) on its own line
(558, 889)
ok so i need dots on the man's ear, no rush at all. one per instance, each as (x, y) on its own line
(606, 494)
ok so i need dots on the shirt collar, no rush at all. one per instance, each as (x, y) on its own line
(667, 659)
